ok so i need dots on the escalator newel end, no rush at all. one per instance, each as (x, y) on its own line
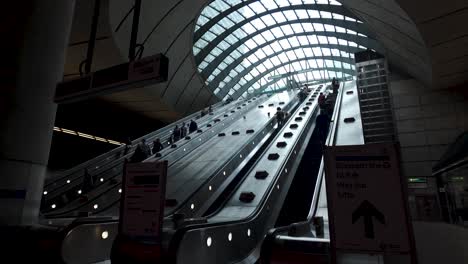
(188, 137)
(250, 131)
(226, 115)
(174, 146)
(221, 134)
(234, 133)
(209, 125)
(297, 119)
(288, 134)
(199, 131)
(293, 126)
(349, 92)
(349, 120)
(247, 197)
(273, 156)
(261, 175)
(260, 106)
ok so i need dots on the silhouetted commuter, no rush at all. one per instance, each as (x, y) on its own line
(280, 116)
(157, 146)
(203, 113)
(183, 130)
(128, 145)
(176, 134)
(88, 181)
(335, 86)
(302, 95)
(142, 152)
(210, 109)
(322, 122)
(321, 100)
(193, 126)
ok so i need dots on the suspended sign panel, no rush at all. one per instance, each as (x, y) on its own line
(366, 203)
(142, 204)
(136, 74)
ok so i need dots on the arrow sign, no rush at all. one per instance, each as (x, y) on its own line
(367, 211)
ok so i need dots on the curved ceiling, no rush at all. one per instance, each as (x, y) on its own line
(242, 47)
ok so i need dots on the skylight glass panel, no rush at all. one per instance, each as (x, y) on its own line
(287, 29)
(329, 28)
(312, 39)
(318, 27)
(337, 64)
(268, 20)
(275, 61)
(246, 63)
(209, 36)
(210, 12)
(303, 40)
(279, 17)
(297, 28)
(235, 16)
(229, 59)
(294, 42)
(302, 14)
(296, 2)
(362, 35)
(342, 42)
(329, 63)
(335, 52)
(282, 70)
(308, 52)
(322, 39)
(196, 50)
(231, 39)
(317, 51)
(268, 36)
(285, 44)
(247, 12)
(254, 72)
(276, 46)
(216, 51)
(249, 28)
(248, 77)
(259, 39)
(290, 15)
(350, 19)
(260, 55)
(352, 44)
(300, 54)
(269, 4)
(323, 2)
(333, 2)
(226, 22)
(268, 64)
(316, 75)
(313, 13)
(216, 72)
(268, 50)
(228, 79)
(219, 5)
(209, 58)
(340, 29)
(291, 55)
(282, 3)
(257, 7)
(337, 16)
(283, 58)
(258, 23)
(277, 33)
(252, 58)
(202, 20)
(233, 74)
(296, 66)
(346, 66)
(203, 65)
(308, 27)
(313, 64)
(332, 40)
(250, 43)
(326, 52)
(349, 31)
(261, 68)
(325, 14)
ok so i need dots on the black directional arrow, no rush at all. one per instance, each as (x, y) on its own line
(367, 211)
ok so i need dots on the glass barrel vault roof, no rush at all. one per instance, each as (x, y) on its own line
(243, 47)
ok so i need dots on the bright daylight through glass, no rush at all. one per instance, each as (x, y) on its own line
(258, 46)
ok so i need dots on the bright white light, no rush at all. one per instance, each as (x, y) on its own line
(224, 173)
(209, 188)
(230, 236)
(192, 206)
(102, 179)
(79, 191)
(68, 181)
(120, 190)
(53, 206)
(208, 241)
(248, 232)
(95, 206)
(45, 192)
(105, 235)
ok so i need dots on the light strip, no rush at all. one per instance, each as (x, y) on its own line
(88, 136)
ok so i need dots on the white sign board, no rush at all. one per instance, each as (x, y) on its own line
(367, 210)
(143, 198)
